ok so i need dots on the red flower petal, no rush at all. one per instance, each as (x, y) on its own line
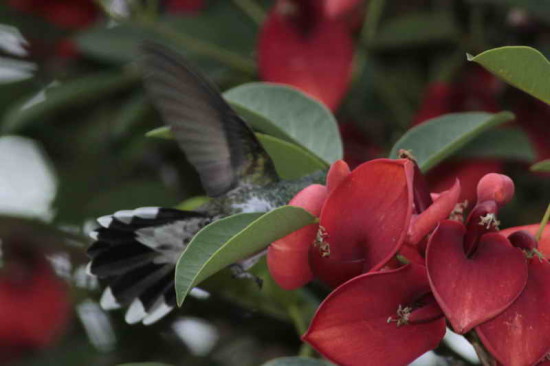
(34, 306)
(338, 171)
(469, 172)
(338, 8)
(365, 218)
(69, 14)
(471, 290)
(317, 60)
(495, 187)
(442, 207)
(351, 326)
(287, 258)
(544, 242)
(520, 336)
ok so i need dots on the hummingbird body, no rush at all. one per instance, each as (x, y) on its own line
(259, 198)
(134, 252)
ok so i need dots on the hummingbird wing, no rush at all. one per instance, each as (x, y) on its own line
(217, 142)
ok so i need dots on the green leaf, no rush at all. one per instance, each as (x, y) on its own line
(541, 166)
(233, 238)
(133, 111)
(440, 137)
(410, 30)
(296, 361)
(221, 25)
(503, 143)
(291, 161)
(289, 115)
(118, 44)
(161, 133)
(523, 67)
(70, 94)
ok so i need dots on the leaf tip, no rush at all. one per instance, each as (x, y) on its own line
(470, 57)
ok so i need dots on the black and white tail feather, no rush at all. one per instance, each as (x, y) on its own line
(135, 252)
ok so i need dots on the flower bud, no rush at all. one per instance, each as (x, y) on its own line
(495, 187)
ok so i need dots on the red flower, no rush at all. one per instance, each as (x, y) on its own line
(69, 14)
(383, 318)
(363, 222)
(34, 305)
(287, 258)
(520, 336)
(339, 8)
(299, 47)
(544, 242)
(473, 289)
(468, 172)
(460, 96)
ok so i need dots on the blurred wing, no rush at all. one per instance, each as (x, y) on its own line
(219, 144)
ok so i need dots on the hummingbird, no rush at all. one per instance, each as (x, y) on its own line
(134, 252)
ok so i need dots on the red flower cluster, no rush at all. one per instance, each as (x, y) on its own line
(34, 306)
(308, 44)
(68, 14)
(398, 280)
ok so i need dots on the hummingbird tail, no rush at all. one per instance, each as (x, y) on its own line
(135, 253)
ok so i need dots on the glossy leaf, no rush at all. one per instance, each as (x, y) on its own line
(291, 161)
(288, 114)
(541, 166)
(233, 238)
(496, 144)
(296, 361)
(523, 67)
(74, 93)
(438, 138)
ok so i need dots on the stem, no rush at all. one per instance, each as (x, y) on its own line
(296, 316)
(543, 223)
(484, 357)
(252, 9)
(301, 327)
(306, 350)
(366, 35)
(372, 18)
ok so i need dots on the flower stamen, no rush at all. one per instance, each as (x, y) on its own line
(402, 318)
(321, 243)
(489, 220)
